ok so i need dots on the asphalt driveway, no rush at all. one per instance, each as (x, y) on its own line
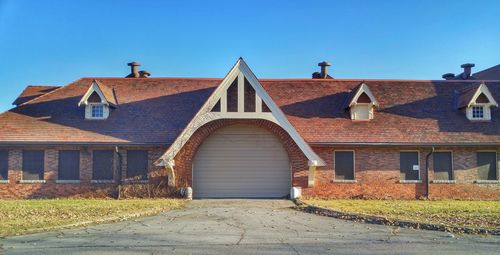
(245, 227)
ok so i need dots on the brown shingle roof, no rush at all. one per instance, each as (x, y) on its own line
(156, 110)
(32, 92)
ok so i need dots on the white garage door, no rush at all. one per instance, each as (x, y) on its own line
(241, 161)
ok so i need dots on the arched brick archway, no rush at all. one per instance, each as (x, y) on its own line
(184, 159)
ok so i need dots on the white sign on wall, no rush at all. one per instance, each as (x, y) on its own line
(416, 167)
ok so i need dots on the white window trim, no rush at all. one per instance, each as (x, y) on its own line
(452, 169)
(88, 111)
(357, 107)
(419, 167)
(486, 111)
(479, 181)
(354, 180)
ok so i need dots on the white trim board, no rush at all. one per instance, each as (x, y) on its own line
(239, 71)
(93, 88)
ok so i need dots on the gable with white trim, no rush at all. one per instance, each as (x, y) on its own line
(239, 96)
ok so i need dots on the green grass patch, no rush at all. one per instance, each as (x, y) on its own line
(25, 216)
(483, 214)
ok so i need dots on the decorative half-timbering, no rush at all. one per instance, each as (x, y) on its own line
(239, 96)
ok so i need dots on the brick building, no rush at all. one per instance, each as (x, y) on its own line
(246, 137)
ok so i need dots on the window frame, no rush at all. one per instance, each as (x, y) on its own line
(353, 166)
(96, 106)
(39, 180)
(145, 176)
(94, 180)
(452, 179)
(6, 163)
(486, 112)
(419, 166)
(496, 166)
(59, 166)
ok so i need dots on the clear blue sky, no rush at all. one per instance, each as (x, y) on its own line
(56, 42)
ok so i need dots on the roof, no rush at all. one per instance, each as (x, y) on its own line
(492, 73)
(32, 92)
(156, 110)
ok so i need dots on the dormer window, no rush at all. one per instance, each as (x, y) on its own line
(477, 102)
(361, 103)
(97, 111)
(478, 112)
(97, 101)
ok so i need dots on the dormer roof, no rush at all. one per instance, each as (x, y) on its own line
(106, 94)
(469, 96)
(359, 95)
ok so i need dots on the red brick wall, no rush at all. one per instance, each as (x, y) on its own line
(15, 189)
(183, 160)
(376, 171)
(377, 176)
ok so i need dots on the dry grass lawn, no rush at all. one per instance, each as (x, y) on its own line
(25, 216)
(484, 214)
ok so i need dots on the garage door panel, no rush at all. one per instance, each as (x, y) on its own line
(241, 161)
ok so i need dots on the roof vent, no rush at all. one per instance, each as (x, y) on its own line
(467, 70)
(144, 74)
(135, 73)
(448, 76)
(324, 71)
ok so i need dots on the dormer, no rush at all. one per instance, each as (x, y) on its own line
(477, 102)
(97, 101)
(361, 103)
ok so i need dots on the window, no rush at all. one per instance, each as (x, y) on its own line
(487, 165)
(409, 165)
(97, 111)
(69, 165)
(344, 165)
(477, 112)
(362, 112)
(137, 164)
(4, 165)
(442, 165)
(33, 164)
(102, 162)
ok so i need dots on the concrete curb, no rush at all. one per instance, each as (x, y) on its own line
(384, 221)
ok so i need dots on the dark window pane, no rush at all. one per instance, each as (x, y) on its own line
(102, 165)
(232, 97)
(216, 107)
(364, 98)
(265, 108)
(249, 97)
(4, 164)
(69, 165)
(408, 159)
(487, 165)
(442, 166)
(94, 98)
(344, 165)
(137, 164)
(482, 99)
(33, 164)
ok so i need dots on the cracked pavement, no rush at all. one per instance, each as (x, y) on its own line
(245, 227)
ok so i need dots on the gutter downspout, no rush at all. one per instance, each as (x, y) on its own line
(427, 181)
(119, 175)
